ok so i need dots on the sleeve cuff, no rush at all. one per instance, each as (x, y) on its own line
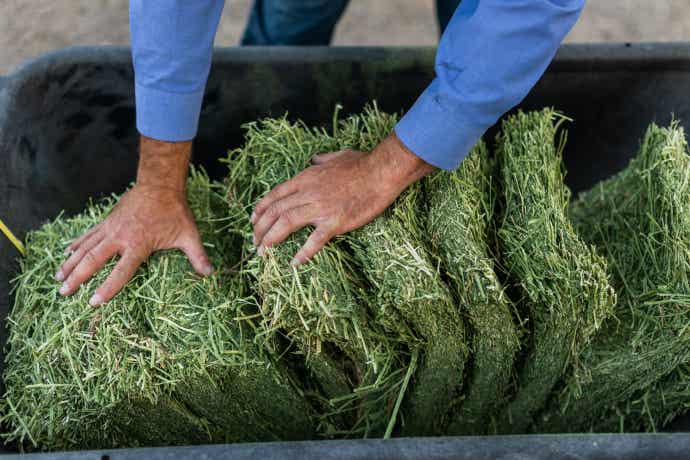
(439, 136)
(166, 116)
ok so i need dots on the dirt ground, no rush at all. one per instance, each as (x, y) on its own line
(31, 27)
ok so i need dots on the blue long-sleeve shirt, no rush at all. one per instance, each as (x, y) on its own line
(490, 56)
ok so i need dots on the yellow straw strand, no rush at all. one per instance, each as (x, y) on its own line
(10, 236)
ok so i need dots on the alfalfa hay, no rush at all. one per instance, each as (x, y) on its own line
(460, 209)
(170, 360)
(563, 283)
(640, 221)
(406, 292)
(355, 370)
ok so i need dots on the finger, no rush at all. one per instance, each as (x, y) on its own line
(316, 241)
(121, 274)
(326, 157)
(289, 222)
(269, 217)
(74, 245)
(92, 261)
(67, 266)
(278, 193)
(195, 252)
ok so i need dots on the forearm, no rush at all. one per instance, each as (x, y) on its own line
(397, 165)
(491, 55)
(163, 165)
(172, 44)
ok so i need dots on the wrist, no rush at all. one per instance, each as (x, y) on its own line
(163, 164)
(397, 164)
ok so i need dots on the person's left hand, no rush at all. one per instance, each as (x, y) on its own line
(342, 191)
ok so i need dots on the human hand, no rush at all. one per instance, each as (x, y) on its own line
(153, 215)
(342, 191)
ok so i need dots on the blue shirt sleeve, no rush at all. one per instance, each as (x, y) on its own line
(490, 56)
(172, 45)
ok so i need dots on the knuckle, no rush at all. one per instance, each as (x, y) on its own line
(261, 205)
(90, 257)
(313, 195)
(309, 252)
(271, 238)
(310, 173)
(118, 273)
(108, 288)
(135, 245)
(76, 256)
(320, 236)
(280, 189)
(71, 260)
(274, 211)
(287, 220)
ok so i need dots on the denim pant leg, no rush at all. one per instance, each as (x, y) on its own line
(444, 11)
(292, 22)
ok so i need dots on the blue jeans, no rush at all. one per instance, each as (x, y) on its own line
(309, 22)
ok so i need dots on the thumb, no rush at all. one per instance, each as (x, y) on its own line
(326, 157)
(196, 254)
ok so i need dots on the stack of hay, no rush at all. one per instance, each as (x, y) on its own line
(562, 282)
(355, 369)
(406, 293)
(170, 360)
(460, 208)
(471, 306)
(636, 371)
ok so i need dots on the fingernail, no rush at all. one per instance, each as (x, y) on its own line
(253, 218)
(261, 250)
(64, 289)
(68, 251)
(95, 300)
(60, 276)
(208, 270)
(254, 240)
(295, 262)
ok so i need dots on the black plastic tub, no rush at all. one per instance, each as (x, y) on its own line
(67, 134)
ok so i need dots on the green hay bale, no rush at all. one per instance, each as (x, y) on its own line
(562, 281)
(460, 209)
(167, 361)
(640, 221)
(359, 370)
(274, 151)
(412, 301)
(406, 293)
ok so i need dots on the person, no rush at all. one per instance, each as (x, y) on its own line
(490, 55)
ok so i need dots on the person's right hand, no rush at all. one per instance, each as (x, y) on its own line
(153, 215)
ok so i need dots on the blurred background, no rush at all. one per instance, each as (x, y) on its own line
(32, 27)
